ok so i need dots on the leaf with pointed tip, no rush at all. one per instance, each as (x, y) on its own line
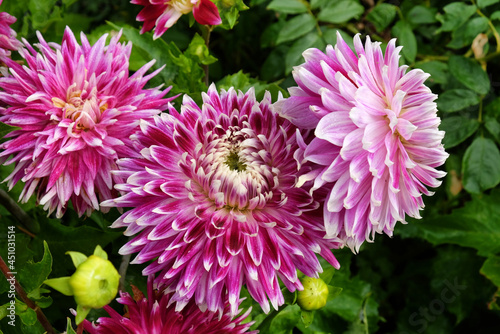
(77, 258)
(60, 284)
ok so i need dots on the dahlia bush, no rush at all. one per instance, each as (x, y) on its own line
(231, 157)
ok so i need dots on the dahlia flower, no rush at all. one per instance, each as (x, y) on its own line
(377, 143)
(215, 206)
(164, 13)
(155, 315)
(76, 107)
(8, 39)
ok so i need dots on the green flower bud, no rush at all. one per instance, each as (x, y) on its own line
(315, 294)
(95, 282)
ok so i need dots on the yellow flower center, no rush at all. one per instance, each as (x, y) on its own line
(182, 6)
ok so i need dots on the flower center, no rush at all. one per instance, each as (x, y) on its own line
(83, 111)
(234, 162)
(182, 6)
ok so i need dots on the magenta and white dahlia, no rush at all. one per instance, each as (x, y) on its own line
(76, 107)
(8, 40)
(215, 204)
(154, 314)
(164, 13)
(377, 142)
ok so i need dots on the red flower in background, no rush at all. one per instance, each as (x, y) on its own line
(163, 14)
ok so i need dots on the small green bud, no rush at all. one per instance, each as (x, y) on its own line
(95, 282)
(315, 294)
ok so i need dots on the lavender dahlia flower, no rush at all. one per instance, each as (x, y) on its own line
(215, 203)
(155, 315)
(76, 107)
(8, 39)
(377, 143)
(163, 14)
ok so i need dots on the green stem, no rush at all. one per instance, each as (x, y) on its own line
(480, 115)
(18, 213)
(206, 35)
(492, 27)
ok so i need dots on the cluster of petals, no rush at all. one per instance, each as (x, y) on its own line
(215, 204)
(8, 40)
(376, 142)
(76, 107)
(163, 14)
(155, 314)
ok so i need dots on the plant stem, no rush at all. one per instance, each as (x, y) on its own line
(79, 329)
(22, 295)
(207, 42)
(123, 271)
(492, 27)
(18, 212)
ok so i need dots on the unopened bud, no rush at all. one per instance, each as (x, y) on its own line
(95, 282)
(315, 294)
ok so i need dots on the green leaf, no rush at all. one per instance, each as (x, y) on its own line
(69, 2)
(486, 3)
(306, 317)
(5, 129)
(474, 225)
(33, 275)
(315, 4)
(333, 292)
(243, 82)
(491, 269)
(273, 67)
(422, 15)
(456, 14)
(296, 27)
(403, 31)
(493, 127)
(229, 11)
(285, 320)
(341, 11)
(26, 314)
(294, 54)
(464, 35)
(60, 284)
(81, 313)
(288, 6)
(481, 166)
(41, 12)
(69, 327)
(457, 99)
(98, 251)
(458, 129)
(327, 274)
(469, 73)
(438, 71)
(77, 258)
(197, 49)
(382, 15)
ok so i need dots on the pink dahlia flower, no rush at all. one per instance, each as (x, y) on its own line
(76, 107)
(377, 143)
(8, 39)
(163, 13)
(155, 315)
(215, 203)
